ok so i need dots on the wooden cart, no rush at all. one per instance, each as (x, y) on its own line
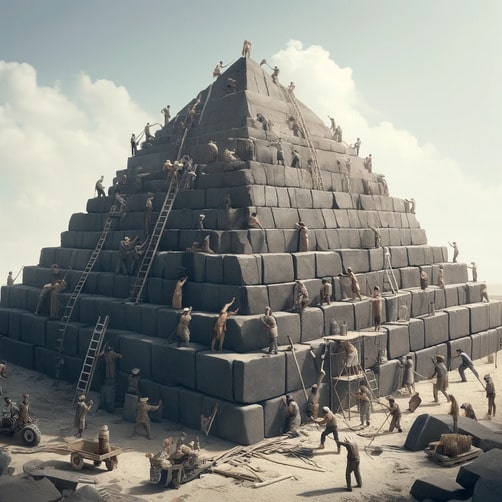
(84, 449)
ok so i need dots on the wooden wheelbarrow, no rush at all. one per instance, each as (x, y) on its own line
(88, 450)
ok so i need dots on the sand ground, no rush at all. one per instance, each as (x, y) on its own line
(388, 476)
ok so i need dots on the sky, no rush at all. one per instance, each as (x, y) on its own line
(418, 82)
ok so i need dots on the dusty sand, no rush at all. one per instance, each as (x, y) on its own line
(386, 477)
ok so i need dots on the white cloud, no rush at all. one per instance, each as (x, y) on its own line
(451, 205)
(53, 148)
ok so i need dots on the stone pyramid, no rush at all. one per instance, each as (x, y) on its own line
(249, 114)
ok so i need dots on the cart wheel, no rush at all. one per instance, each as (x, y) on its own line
(109, 464)
(97, 463)
(30, 435)
(77, 461)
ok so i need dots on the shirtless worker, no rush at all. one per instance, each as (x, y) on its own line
(220, 326)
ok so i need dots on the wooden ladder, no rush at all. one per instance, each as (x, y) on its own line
(315, 170)
(65, 319)
(93, 351)
(153, 243)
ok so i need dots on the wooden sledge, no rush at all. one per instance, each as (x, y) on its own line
(445, 461)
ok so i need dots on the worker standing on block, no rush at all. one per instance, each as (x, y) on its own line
(220, 326)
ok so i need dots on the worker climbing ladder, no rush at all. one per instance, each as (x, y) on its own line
(93, 351)
(117, 210)
(153, 243)
(315, 170)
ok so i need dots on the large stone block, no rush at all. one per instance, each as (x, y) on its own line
(416, 256)
(473, 292)
(240, 424)
(410, 277)
(170, 402)
(45, 361)
(281, 296)
(215, 374)
(421, 301)
(480, 345)
(167, 320)
(416, 333)
(71, 368)
(4, 320)
(136, 352)
(398, 341)
(202, 327)
(242, 269)
(277, 268)
(327, 264)
(161, 361)
(274, 417)
(376, 257)
(190, 408)
(363, 315)
(397, 306)
(372, 343)
(356, 259)
(438, 487)
(70, 342)
(495, 313)
(487, 489)
(288, 324)
(15, 318)
(451, 295)
(390, 377)
(455, 273)
(436, 329)
(398, 256)
(253, 298)
(479, 317)
(311, 324)
(33, 329)
(28, 490)
(307, 367)
(486, 466)
(425, 429)
(439, 299)
(252, 382)
(182, 365)
(458, 322)
(304, 265)
(341, 312)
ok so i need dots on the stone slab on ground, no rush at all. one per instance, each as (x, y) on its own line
(488, 489)
(438, 487)
(487, 465)
(17, 488)
(428, 428)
